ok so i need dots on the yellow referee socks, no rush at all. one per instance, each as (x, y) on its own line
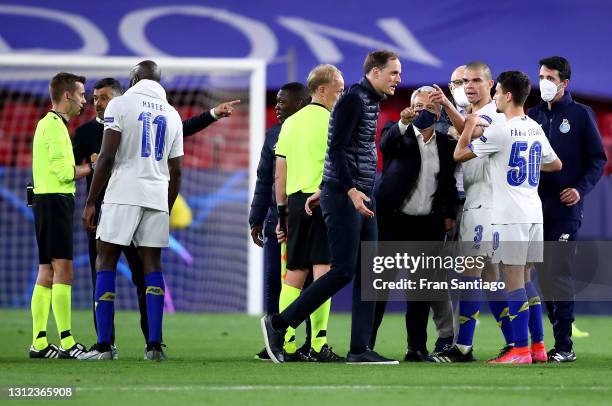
(41, 301)
(287, 296)
(61, 298)
(318, 325)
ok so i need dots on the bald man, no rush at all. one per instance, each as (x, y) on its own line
(142, 151)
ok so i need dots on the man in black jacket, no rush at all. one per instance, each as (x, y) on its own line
(263, 216)
(416, 198)
(87, 141)
(347, 202)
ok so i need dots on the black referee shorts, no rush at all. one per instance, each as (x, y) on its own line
(307, 243)
(53, 222)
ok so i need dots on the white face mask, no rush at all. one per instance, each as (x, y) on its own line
(460, 97)
(548, 90)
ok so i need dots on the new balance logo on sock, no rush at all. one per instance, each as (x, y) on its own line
(155, 290)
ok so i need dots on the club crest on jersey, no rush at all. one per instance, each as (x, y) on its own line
(565, 126)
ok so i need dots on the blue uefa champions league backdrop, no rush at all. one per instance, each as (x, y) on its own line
(431, 37)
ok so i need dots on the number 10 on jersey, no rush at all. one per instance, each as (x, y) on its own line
(160, 135)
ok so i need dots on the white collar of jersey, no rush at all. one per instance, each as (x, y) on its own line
(148, 88)
(99, 120)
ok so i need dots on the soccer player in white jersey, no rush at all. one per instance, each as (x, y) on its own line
(475, 228)
(518, 150)
(142, 151)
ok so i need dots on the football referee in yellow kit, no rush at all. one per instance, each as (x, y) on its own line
(54, 174)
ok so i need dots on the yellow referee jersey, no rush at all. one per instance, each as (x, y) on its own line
(52, 157)
(303, 142)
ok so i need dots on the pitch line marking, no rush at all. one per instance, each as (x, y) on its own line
(250, 388)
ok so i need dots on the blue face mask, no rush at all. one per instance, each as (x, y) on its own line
(425, 119)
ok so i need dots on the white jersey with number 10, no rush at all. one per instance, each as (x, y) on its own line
(151, 133)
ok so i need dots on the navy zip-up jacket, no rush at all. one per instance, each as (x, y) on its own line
(351, 155)
(263, 206)
(572, 131)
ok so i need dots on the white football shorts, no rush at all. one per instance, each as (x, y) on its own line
(475, 234)
(123, 224)
(518, 244)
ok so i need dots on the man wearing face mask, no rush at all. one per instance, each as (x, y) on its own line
(572, 131)
(475, 228)
(461, 104)
(445, 126)
(417, 198)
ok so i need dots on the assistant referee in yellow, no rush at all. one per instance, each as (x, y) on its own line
(54, 173)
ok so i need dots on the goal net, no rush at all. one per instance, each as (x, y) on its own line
(211, 264)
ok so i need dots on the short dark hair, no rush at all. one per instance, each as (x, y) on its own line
(480, 65)
(517, 83)
(558, 63)
(294, 87)
(378, 59)
(298, 90)
(63, 82)
(109, 82)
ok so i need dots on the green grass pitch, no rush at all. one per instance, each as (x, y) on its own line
(211, 362)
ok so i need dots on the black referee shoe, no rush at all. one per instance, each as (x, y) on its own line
(297, 356)
(51, 351)
(556, 356)
(72, 352)
(273, 339)
(325, 355)
(369, 357)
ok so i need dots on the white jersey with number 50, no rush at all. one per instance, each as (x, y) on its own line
(151, 133)
(516, 150)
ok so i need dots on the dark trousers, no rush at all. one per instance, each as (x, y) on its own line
(346, 228)
(273, 279)
(135, 264)
(272, 273)
(401, 227)
(557, 282)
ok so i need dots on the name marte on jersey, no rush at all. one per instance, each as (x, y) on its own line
(153, 106)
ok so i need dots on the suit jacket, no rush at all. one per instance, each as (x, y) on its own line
(402, 166)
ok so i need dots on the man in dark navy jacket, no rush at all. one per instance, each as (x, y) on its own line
(416, 199)
(263, 216)
(572, 131)
(347, 202)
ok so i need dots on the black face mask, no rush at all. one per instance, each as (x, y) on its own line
(425, 119)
